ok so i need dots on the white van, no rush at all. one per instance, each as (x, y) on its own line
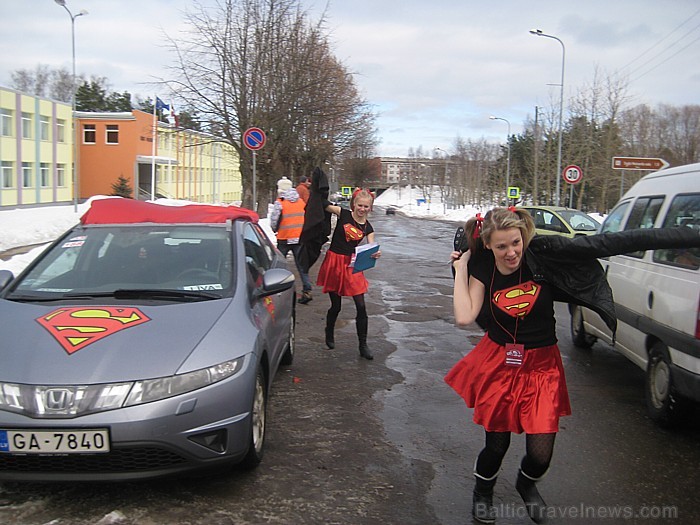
(656, 292)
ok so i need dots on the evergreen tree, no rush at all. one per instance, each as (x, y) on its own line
(121, 188)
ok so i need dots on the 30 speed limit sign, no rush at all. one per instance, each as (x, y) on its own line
(572, 174)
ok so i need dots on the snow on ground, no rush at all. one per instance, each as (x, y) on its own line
(27, 226)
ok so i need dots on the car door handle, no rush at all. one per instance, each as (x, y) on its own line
(650, 300)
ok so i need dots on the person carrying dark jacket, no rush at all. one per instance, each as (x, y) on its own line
(507, 280)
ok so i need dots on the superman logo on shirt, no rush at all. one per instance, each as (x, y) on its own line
(518, 300)
(353, 233)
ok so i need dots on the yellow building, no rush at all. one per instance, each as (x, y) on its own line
(36, 148)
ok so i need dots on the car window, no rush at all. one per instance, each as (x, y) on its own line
(257, 257)
(579, 221)
(613, 222)
(683, 211)
(643, 215)
(552, 222)
(104, 258)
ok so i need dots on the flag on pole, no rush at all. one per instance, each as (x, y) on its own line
(176, 119)
(160, 105)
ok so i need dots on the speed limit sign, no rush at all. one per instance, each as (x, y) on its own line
(572, 174)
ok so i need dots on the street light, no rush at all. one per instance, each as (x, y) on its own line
(538, 32)
(76, 175)
(508, 161)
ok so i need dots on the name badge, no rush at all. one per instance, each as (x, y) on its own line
(515, 354)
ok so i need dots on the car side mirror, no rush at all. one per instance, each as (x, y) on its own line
(6, 277)
(274, 281)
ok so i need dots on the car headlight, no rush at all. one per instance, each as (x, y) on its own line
(39, 401)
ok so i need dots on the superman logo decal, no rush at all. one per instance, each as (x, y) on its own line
(76, 327)
(518, 300)
(270, 306)
(353, 233)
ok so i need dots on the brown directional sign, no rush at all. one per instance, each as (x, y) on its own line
(638, 163)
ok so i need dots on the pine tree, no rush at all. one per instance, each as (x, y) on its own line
(121, 188)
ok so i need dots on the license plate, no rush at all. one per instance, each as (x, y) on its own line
(54, 441)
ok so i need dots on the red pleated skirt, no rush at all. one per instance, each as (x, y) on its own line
(530, 398)
(336, 276)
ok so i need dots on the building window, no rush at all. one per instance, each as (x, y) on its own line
(60, 130)
(89, 134)
(44, 127)
(61, 175)
(112, 134)
(45, 174)
(27, 175)
(6, 175)
(6, 122)
(26, 125)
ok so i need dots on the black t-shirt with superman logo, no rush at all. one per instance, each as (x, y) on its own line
(519, 306)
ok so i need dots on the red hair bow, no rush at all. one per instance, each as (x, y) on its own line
(512, 208)
(477, 227)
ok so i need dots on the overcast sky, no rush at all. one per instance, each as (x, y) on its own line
(434, 70)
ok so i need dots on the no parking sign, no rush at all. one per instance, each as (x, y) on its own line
(254, 138)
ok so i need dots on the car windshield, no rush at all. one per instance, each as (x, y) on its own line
(99, 260)
(579, 221)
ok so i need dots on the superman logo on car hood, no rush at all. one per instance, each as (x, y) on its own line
(518, 300)
(77, 327)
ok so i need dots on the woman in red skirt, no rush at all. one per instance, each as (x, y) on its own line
(513, 378)
(336, 275)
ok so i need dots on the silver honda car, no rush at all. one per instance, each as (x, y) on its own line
(142, 343)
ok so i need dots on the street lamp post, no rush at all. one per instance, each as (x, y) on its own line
(508, 144)
(538, 32)
(76, 175)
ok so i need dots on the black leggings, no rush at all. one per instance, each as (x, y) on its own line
(336, 304)
(538, 454)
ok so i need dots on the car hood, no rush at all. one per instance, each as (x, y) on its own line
(88, 344)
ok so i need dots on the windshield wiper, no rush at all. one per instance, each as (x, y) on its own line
(33, 298)
(140, 293)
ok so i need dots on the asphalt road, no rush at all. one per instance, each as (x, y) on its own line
(387, 442)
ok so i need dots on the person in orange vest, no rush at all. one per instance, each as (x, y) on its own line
(287, 221)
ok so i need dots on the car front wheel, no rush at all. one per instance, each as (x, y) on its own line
(663, 406)
(579, 336)
(258, 416)
(288, 356)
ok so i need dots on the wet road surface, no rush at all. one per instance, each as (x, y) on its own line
(387, 442)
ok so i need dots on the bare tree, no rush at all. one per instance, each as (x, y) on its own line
(263, 63)
(45, 82)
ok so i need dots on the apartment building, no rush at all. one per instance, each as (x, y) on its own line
(36, 150)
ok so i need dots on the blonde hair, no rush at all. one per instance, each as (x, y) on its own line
(478, 230)
(361, 193)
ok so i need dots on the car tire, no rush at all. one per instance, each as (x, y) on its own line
(663, 406)
(288, 357)
(579, 336)
(258, 423)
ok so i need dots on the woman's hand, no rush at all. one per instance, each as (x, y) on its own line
(459, 260)
(376, 255)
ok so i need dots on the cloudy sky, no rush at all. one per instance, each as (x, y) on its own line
(434, 70)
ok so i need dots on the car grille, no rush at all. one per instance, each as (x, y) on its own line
(120, 460)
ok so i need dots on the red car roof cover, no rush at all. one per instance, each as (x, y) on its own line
(129, 211)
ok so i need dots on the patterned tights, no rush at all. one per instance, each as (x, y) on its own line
(538, 454)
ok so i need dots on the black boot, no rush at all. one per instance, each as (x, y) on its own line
(330, 327)
(535, 505)
(483, 510)
(361, 323)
